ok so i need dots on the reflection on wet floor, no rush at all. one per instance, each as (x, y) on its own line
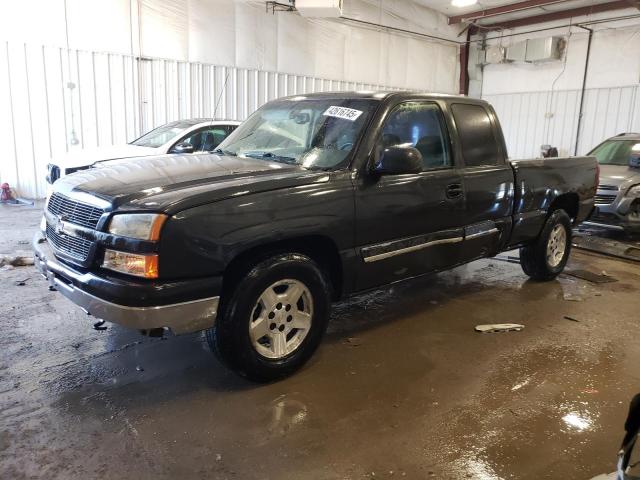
(416, 393)
(578, 420)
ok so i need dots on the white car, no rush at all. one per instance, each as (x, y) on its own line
(182, 136)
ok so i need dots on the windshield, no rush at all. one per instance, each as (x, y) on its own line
(316, 133)
(161, 135)
(616, 152)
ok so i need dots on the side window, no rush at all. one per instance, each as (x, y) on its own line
(420, 125)
(479, 144)
(195, 139)
(207, 139)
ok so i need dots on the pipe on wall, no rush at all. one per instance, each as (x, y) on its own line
(582, 90)
(464, 64)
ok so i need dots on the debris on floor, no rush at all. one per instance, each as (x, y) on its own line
(567, 317)
(572, 297)
(18, 259)
(591, 276)
(499, 327)
(100, 325)
(508, 258)
(604, 476)
(353, 341)
(8, 198)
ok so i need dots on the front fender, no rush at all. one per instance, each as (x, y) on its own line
(203, 240)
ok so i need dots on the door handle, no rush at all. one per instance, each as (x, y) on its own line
(454, 190)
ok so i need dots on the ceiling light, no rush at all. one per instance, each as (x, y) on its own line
(463, 3)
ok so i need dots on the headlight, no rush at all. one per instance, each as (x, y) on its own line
(131, 263)
(634, 191)
(43, 223)
(143, 226)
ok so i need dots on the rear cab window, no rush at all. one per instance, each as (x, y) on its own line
(478, 142)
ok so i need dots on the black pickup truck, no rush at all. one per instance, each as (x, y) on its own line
(311, 199)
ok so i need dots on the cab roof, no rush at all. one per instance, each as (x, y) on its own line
(627, 136)
(382, 95)
(190, 122)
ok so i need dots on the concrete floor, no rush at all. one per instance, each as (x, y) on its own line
(401, 387)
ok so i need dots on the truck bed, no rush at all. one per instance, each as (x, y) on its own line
(539, 181)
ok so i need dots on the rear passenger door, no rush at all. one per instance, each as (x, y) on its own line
(487, 180)
(410, 224)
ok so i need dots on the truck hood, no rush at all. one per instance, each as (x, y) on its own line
(84, 158)
(171, 183)
(619, 175)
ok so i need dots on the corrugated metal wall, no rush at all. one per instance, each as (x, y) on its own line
(54, 100)
(532, 119)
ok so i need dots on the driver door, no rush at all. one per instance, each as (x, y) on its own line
(410, 224)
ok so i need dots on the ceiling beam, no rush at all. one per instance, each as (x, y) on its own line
(561, 14)
(492, 12)
(634, 4)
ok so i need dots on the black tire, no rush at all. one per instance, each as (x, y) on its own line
(533, 257)
(230, 338)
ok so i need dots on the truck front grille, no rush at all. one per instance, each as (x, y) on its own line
(75, 247)
(605, 199)
(74, 212)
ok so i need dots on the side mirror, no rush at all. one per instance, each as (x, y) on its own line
(397, 160)
(183, 147)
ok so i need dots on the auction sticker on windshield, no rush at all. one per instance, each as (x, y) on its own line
(342, 112)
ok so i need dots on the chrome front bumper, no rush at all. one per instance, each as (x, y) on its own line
(615, 216)
(183, 317)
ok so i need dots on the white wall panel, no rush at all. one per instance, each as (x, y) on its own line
(54, 101)
(256, 37)
(212, 31)
(164, 28)
(295, 44)
(614, 62)
(540, 103)
(95, 25)
(109, 71)
(532, 119)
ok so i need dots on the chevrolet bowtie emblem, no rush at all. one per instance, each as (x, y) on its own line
(59, 226)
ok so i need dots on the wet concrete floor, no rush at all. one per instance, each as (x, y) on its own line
(401, 387)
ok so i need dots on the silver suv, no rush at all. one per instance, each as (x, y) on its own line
(618, 197)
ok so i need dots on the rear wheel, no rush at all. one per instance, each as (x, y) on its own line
(547, 256)
(273, 319)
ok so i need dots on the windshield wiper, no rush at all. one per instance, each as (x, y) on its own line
(271, 156)
(219, 151)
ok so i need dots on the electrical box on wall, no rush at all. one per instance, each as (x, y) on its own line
(494, 54)
(517, 52)
(319, 8)
(545, 49)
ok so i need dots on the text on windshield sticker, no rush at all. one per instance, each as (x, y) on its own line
(342, 112)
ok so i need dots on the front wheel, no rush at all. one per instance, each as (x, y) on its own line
(545, 258)
(274, 318)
